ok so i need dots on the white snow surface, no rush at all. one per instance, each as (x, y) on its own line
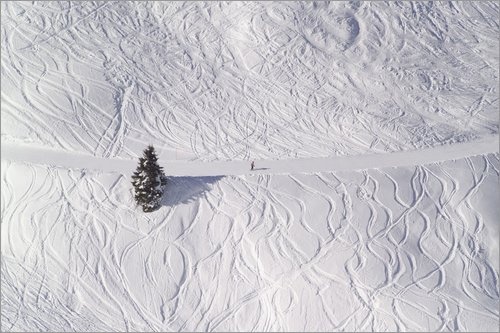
(373, 205)
(58, 158)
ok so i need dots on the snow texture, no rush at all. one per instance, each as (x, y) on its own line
(373, 205)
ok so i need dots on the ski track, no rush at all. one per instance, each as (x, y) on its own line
(374, 127)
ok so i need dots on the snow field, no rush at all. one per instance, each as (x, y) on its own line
(348, 223)
(239, 80)
(408, 248)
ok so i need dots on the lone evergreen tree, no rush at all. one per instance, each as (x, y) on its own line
(149, 181)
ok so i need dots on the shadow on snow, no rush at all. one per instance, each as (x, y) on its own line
(181, 190)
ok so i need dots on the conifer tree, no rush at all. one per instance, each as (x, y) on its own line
(149, 181)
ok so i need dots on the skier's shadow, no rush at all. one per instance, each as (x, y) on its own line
(181, 190)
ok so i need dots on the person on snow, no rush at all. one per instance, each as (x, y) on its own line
(252, 165)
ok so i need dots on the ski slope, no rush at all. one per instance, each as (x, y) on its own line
(373, 206)
(408, 248)
(240, 80)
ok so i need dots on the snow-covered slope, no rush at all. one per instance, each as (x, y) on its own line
(249, 79)
(391, 249)
(374, 205)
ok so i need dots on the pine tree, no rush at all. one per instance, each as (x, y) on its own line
(149, 181)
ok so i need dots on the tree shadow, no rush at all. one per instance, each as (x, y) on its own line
(181, 190)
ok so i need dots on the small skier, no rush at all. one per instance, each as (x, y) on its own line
(252, 165)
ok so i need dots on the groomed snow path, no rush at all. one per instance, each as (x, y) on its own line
(51, 157)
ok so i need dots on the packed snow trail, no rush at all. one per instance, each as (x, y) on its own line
(57, 158)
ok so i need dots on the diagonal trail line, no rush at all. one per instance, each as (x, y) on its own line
(75, 160)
